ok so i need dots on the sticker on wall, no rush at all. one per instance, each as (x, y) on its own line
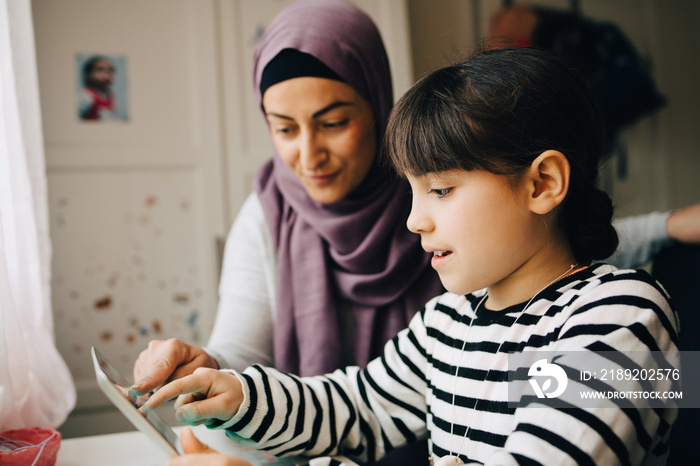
(257, 35)
(181, 298)
(103, 304)
(101, 88)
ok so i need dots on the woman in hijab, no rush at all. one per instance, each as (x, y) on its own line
(320, 269)
(347, 270)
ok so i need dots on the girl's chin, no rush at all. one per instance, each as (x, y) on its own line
(455, 286)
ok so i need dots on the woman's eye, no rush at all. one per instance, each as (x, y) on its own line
(441, 192)
(284, 130)
(335, 124)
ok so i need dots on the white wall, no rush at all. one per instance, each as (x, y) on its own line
(134, 204)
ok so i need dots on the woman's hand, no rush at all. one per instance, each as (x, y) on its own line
(205, 395)
(197, 453)
(167, 360)
(684, 225)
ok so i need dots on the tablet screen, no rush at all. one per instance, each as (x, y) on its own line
(118, 391)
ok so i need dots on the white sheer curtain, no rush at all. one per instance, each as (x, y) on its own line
(37, 386)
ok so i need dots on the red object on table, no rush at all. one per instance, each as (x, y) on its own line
(35, 446)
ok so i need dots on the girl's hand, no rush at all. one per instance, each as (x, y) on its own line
(205, 395)
(197, 453)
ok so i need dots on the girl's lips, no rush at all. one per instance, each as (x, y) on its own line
(439, 258)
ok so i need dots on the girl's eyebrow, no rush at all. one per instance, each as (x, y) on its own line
(317, 114)
(443, 176)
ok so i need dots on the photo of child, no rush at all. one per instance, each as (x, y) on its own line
(101, 87)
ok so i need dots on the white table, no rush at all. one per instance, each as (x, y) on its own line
(135, 449)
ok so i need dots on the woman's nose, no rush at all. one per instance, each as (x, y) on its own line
(312, 151)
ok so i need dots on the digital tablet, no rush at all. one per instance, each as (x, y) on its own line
(118, 391)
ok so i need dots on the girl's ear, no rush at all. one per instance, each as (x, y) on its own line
(548, 181)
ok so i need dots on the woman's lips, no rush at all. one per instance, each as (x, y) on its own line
(322, 180)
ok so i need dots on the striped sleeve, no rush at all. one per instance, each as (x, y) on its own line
(359, 414)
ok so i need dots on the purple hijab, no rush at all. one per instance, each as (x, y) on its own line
(357, 251)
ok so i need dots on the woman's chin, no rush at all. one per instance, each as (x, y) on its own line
(326, 194)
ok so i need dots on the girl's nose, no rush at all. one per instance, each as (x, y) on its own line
(418, 221)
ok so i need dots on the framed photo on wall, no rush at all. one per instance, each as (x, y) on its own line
(101, 88)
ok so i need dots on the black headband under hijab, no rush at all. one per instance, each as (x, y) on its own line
(290, 64)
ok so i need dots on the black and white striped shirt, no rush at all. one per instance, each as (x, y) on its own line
(407, 394)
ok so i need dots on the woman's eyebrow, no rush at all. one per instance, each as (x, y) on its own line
(326, 109)
(330, 107)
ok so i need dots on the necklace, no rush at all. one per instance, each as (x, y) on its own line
(452, 458)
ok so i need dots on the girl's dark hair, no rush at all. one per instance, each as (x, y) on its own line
(497, 112)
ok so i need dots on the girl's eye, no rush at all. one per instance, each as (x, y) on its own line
(441, 192)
